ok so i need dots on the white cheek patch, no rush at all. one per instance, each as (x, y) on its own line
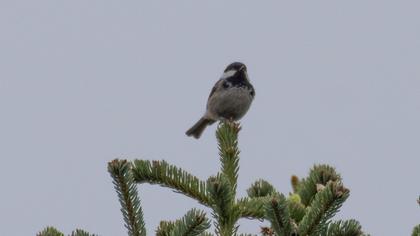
(228, 74)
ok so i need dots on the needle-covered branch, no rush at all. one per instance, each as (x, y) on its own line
(318, 175)
(166, 175)
(126, 189)
(260, 188)
(223, 204)
(80, 232)
(227, 137)
(416, 231)
(296, 209)
(306, 211)
(277, 212)
(344, 228)
(51, 231)
(324, 206)
(252, 208)
(194, 223)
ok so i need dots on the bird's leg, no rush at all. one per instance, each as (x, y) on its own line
(231, 120)
(232, 123)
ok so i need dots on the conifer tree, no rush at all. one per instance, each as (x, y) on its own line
(307, 211)
(416, 231)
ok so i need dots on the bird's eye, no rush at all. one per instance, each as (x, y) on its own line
(225, 84)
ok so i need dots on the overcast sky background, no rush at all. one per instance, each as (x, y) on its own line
(84, 82)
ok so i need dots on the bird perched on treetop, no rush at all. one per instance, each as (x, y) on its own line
(229, 99)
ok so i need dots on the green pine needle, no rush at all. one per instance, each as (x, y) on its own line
(276, 211)
(325, 205)
(160, 172)
(260, 188)
(252, 208)
(206, 234)
(50, 231)
(416, 231)
(344, 228)
(193, 223)
(79, 232)
(126, 189)
(224, 210)
(296, 210)
(165, 228)
(227, 137)
(319, 174)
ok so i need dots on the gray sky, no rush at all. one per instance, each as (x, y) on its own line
(83, 82)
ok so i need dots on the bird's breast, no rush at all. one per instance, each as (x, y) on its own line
(231, 103)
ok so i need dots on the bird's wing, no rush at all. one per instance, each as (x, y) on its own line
(215, 87)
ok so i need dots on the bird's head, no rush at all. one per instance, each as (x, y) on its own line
(235, 69)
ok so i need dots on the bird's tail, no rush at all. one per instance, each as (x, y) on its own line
(197, 129)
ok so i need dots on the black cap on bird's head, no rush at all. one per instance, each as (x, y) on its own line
(235, 70)
(236, 66)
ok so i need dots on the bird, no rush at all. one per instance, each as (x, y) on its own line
(229, 100)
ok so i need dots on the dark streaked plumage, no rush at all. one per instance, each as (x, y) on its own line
(229, 99)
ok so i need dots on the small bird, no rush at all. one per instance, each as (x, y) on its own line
(229, 99)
